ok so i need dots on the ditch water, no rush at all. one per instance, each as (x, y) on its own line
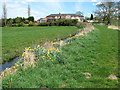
(8, 64)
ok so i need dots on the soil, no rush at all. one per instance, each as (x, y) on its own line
(114, 27)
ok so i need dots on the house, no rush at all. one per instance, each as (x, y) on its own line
(59, 16)
(43, 20)
(72, 16)
(54, 17)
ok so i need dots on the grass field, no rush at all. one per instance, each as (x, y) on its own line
(15, 39)
(95, 53)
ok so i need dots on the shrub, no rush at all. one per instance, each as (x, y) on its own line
(62, 22)
(31, 23)
(26, 24)
(67, 22)
(52, 23)
(44, 24)
(35, 24)
(21, 24)
(56, 23)
(15, 25)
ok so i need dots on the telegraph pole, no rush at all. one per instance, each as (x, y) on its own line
(4, 12)
(28, 10)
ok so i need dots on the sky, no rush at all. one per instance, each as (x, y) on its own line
(42, 8)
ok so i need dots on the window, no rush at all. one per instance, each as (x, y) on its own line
(43, 20)
(68, 16)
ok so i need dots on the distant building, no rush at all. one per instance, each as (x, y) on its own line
(72, 16)
(41, 20)
(54, 17)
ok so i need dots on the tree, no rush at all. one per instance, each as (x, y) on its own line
(9, 22)
(106, 11)
(18, 20)
(91, 18)
(23, 19)
(79, 13)
(31, 18)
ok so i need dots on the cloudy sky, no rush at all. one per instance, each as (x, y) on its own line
(42, 8)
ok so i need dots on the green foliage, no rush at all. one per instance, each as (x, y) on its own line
(67, 22)
(18, 20)
(21, 24)
(44, 24)
(31, 18)
(63, 22)
(31, 23)
(2, 22)
(35, 24)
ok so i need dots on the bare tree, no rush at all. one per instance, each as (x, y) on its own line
(28, 10)
(106, 11)
(4, 13)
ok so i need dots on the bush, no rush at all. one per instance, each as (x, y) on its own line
(63, 22)
(21, 24)
(56, 23)
(14, 25)
(35, 24)
(44, 24)
(67, 22)
(31, 23)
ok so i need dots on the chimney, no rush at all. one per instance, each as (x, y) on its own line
(60, 15)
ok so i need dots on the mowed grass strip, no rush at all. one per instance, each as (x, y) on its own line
(95, 53)
(15, 39)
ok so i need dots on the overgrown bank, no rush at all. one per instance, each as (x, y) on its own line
(88, 63)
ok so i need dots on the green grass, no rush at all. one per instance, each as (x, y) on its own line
(95, 53)
(15, 39)
(115, 22)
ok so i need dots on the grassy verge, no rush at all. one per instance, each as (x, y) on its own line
(15, 39)
(95, 53)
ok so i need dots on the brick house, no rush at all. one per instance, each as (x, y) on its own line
(43, 20)
(54, 17)
(72, 16)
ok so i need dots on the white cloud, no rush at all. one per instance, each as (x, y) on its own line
(23, 2)
(97, 3)
(37, 14)
(93, 0)
(16, 1)
(94, 4)
(11, 6)
(88, 13)
(31, 0)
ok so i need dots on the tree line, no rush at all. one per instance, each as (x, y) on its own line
(18, 21)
